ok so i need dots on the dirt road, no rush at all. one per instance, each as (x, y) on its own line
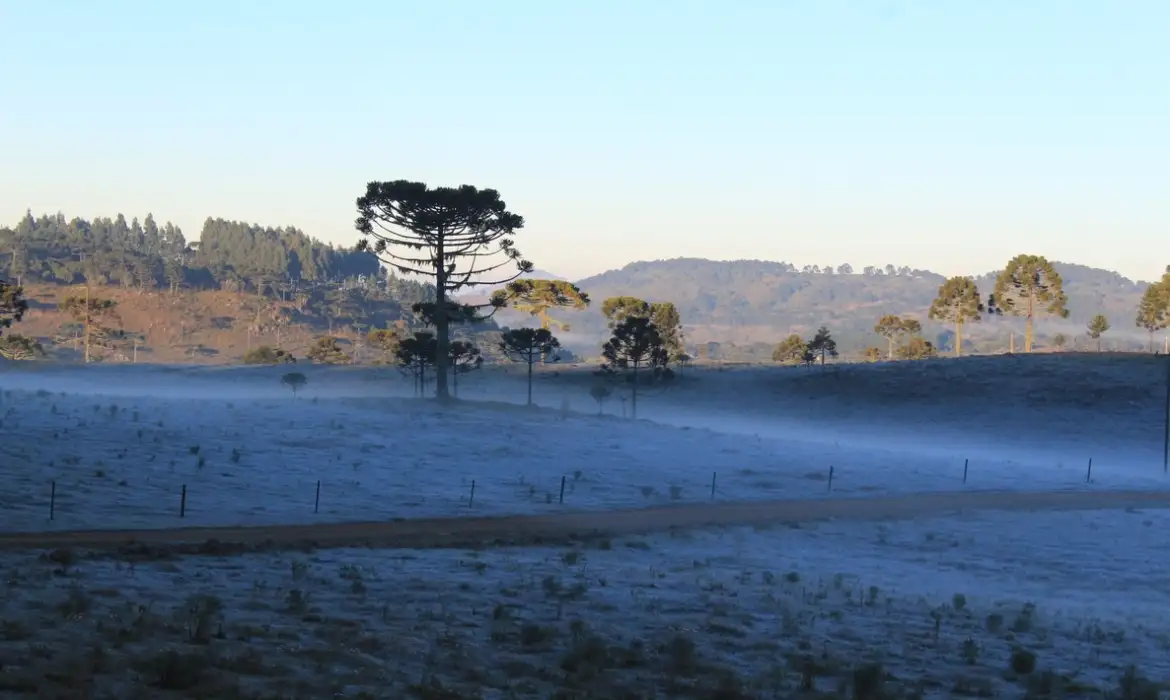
(537, 529)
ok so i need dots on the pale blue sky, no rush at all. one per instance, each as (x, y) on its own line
(935, 133)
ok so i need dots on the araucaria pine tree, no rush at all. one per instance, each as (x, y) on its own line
(464, 358)
(537, 297)
(822, 345)
(663, 314)
(636, 349)
(461, 237)
(1097, 327)
(1030, 286)
(528, 345)
(1154, 309)
(414, 355)
(893, 327)
(958, 303)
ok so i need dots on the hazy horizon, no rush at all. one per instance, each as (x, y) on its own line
(860, 132)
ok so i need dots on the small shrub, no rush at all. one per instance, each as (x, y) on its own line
(869, 682)
(297, 601)
(1024, 620)
(1023, 661)
(994, 623)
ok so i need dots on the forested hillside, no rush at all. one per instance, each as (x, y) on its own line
(746, 303)
(240, 285)
(755, 302)
(144, 254)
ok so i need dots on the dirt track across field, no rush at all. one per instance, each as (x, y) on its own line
(537, 529)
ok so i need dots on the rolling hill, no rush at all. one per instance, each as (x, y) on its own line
(757, 302)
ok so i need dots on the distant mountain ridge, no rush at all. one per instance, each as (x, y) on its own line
(760, 301)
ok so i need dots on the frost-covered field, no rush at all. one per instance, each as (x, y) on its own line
(118, 445)
(1055, 604)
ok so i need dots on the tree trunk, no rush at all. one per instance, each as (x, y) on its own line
(442, 323)
(890, 351)
(1028, 324)
(531, 360)
(958, 338)
(634, 394)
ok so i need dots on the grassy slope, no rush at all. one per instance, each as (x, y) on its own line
(170, 323)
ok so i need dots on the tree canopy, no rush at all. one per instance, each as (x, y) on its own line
(1029, 286)
(957, 303)
(536, 297)
(461, 237)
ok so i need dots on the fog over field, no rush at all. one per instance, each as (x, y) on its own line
(941, 602)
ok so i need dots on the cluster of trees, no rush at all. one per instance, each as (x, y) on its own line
(1029, 287)
(228, 255)
(238, 254)
(463, 237)
(797, 350)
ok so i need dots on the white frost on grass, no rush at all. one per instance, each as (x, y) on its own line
(943, 602)
(121, 462)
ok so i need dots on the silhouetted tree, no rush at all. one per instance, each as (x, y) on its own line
(600, 394)
(294, 381)
(528, 345)
(444, 233)
(1029, 286)
(823, 344)
(635, 349)
(791, 349)
(1059, 340)
(415, 354)
(663, 314)
(463, 357)
(1097, 327)
(957, 302)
